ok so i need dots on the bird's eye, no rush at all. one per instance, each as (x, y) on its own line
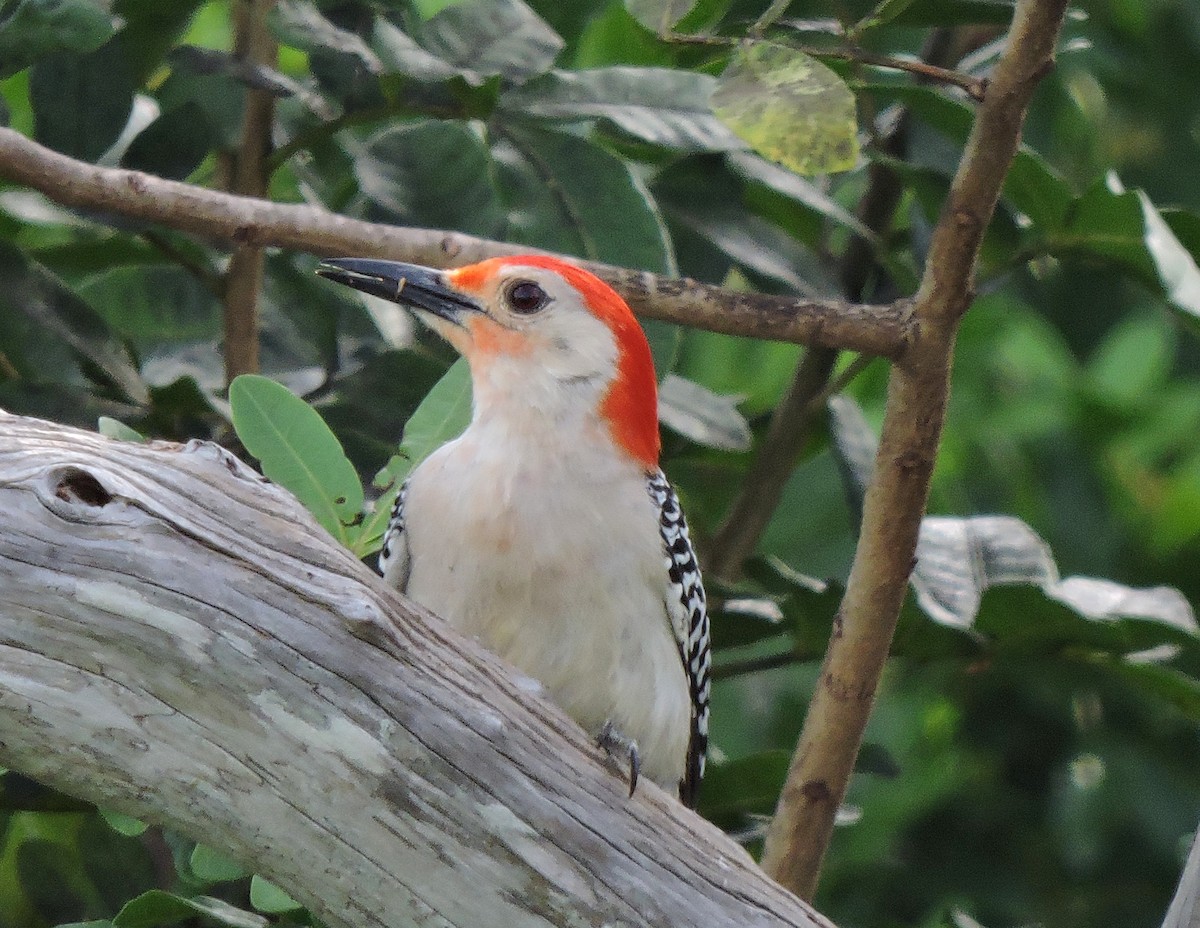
(524, 296)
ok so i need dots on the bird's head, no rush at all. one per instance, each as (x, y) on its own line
(534, 329)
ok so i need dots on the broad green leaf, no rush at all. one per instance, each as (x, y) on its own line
(442, 415)
(297, 450)
(1133, 363)
(659, 16)
(173, 145)
(1176, 267)
(81, 102)
(267, 897)
(568, 195)
(961, 558)
(705, 417)
(407, 169)
(789, 107)
(156, 908)
(300, 24)
(758, 170)
(1032, 186)
(662, 106)
(123, 824)
(1126, 227)
(211, 866)
(427, 9)
(492, 37)
(30, 29)
(718, 231)
(41, 315)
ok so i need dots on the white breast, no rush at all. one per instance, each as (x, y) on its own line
(546, 547)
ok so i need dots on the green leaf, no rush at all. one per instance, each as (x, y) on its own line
(959, 559)
(297, 450)
(156, 908)
(427, 9)
(701, 415)
(492, 37)
(211, 866)
(1126, 227)
(1031, 186)
(173, 145)
(407, 169)
(118, 430)
(81, 102)
(31, 29)
(659, 16)
(790, 108)
(441, 416)
(662, 106)
(267, 897)
(572, 196)
(123, 824)
(299, 23)
(756, 169)
(43, 314)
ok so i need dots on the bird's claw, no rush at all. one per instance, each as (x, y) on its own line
(619, 746)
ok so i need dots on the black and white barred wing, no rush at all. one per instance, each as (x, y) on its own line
(689, 621)
(394, 559)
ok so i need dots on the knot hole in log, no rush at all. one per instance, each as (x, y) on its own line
(74, 485)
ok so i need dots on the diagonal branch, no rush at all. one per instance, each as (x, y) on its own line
(874, 330)
(180, 641)
(895, 500)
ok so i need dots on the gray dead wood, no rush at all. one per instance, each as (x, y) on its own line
(181, 642)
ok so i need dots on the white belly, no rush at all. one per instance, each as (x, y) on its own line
(561, 573)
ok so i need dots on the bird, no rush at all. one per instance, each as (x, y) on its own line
(547, 529)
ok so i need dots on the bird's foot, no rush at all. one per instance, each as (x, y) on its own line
(621, 748)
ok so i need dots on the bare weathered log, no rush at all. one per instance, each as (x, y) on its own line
(180, 641)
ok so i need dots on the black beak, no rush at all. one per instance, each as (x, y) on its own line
(408, 284)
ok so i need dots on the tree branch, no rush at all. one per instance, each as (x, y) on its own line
(895, 501)
(875, 330)
(181, 642)
(254, 46)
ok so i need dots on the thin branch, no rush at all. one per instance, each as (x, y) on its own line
(975, 87)
(791, 423)
(874, 330)
(254, 45)
(204, 275)
(762, 487)
(728, 669)
(895, 501)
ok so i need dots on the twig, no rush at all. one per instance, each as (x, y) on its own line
(762, 487)
(254, 45)
(875, 330)
(895, 500)
(723, 671)
(976, 87)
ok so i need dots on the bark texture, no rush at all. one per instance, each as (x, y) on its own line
(180, 641)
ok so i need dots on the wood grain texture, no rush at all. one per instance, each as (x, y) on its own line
(180, 641)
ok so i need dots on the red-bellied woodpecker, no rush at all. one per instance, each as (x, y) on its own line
(547, 529)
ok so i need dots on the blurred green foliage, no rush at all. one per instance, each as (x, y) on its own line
(1034, 754)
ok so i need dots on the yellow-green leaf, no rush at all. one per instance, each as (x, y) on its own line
(789, 107)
